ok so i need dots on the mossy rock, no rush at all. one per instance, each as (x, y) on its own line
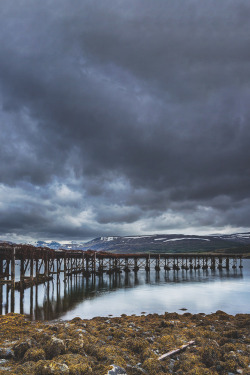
(34, 354)
(152, 365)
(210, 354)
(51, 367)
(136, 345)
(42, 337)
(77, 364)
(28, 368)
(21, 347)
(75, 346)
(54, 347)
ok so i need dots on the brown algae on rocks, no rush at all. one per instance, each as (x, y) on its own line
(133, 343)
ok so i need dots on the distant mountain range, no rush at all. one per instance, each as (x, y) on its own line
(171, 243)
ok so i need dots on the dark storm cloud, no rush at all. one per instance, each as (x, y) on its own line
(124, 116)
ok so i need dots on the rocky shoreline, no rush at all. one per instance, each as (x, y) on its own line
(133, 344)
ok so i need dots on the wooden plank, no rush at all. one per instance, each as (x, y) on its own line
(175, 351)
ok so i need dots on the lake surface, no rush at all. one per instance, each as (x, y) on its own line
(155, 292)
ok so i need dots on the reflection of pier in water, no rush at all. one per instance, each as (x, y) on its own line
(26, 267)
(57, 297)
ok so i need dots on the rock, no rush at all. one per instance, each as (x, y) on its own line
(54, 347)
(27, 368)
(51, 367)
(6, 353)
(41, 337)
(34, 354)
(77, 319)
(171, 364)
(136, 370)
(77, 364)
(116, 370)
(75, 346)
(21, 348)
(79, 330)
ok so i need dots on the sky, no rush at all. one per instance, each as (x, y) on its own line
(124, 117)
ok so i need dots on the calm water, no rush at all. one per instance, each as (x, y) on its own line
(197, 291)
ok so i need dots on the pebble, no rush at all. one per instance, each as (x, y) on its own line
(116, 370)
(81, 330)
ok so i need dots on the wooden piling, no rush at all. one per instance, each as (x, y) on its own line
(13, 267)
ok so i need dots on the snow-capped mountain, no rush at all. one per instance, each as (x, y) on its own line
(157, 243)
(169, 243)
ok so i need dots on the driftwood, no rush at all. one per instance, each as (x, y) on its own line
(172, 352)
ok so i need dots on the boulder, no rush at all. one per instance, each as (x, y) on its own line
(54, 347)
(21, 347)
(34, 354)
(51, 367)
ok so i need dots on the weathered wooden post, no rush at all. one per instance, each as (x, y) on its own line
(87, 265)
(191, 263)
(1, 268)
(177, 265)
(157, 265)
(31, 268)
(147, 268)
(136, 268)
(241, 265)
(126, 268)
(83, 268)
(13, 267)
(167, 266)
(12, 299)
(21, 272)
(1, 299)
(94, 265)
(65, 266)
(71, 266)
(46, 268)
(212, 262)
(227, 263)
(37, 268)
(220, 263)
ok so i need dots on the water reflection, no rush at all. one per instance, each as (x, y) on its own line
(78, 295)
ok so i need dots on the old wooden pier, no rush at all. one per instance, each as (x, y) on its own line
(23, 266)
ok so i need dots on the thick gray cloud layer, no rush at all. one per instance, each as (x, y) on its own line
(121, 117)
